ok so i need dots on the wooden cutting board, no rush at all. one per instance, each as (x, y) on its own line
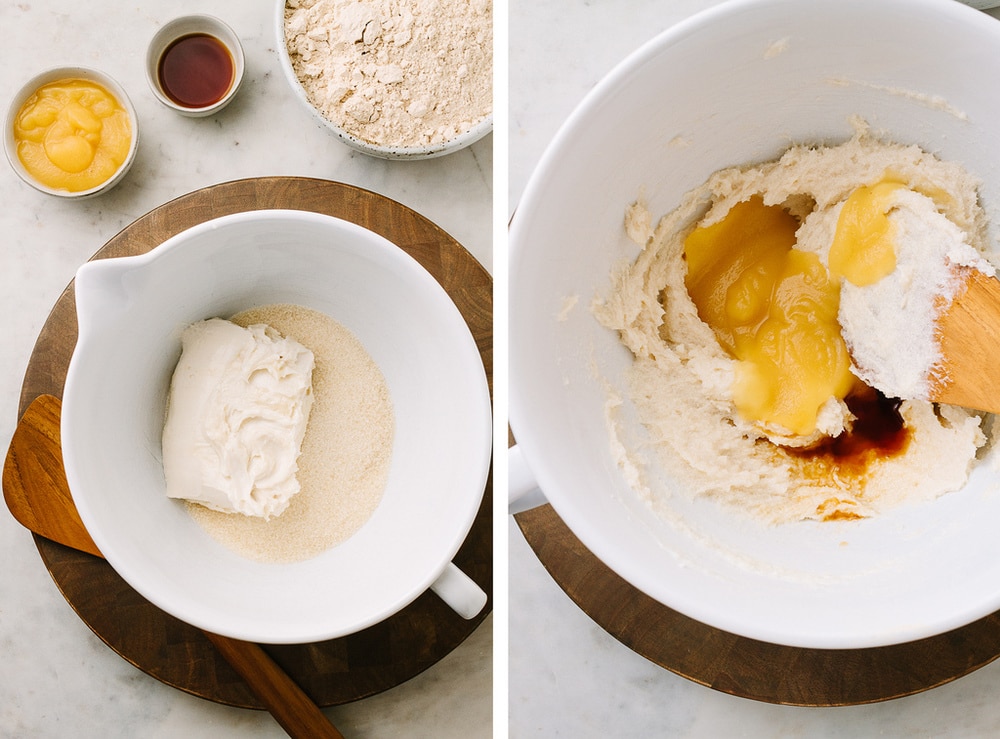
(745, 667)
(331, 672)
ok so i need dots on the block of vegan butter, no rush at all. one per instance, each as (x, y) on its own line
(237, 411)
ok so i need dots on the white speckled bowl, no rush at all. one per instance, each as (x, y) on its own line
(131, 312)
(53, 75)
(464, 139)
(736, 84)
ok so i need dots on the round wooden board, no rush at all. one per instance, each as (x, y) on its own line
(745, 667)
(331, 672)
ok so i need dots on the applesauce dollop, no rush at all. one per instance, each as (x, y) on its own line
(72, 134)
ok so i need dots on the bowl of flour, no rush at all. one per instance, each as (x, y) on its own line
(620, 395)
(395, 79)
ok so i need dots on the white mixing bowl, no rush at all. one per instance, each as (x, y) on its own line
(131, 312)
(739, 84)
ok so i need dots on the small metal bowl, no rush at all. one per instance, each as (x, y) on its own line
(191, 25)
(54, 75)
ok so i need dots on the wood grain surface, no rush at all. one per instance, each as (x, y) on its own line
(34, 481)
(969, 332)
(330, 672)
(751, 669)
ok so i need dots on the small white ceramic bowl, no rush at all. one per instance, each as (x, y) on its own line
(54, 75)
(131, 311)
(461, 141)
(737, 84)
(191, 25)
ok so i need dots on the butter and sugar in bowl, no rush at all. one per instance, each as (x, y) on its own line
(71, 132)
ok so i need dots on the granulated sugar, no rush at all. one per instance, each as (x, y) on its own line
(395, 73)
(345, 453)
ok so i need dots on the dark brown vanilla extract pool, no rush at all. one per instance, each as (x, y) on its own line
(878, 432)
(196, 71)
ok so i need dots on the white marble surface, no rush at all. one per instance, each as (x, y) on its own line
(567, 677)
(56, 678)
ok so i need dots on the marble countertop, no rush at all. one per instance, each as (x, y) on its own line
(57, 678)
(568, 677)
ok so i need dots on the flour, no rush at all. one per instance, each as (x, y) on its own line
(395, 73)
(890, 326)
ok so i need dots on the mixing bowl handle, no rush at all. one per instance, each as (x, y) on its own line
(523, 492)
(459, 591)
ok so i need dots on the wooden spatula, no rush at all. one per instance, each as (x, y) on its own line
(37, 493)
(969, 332)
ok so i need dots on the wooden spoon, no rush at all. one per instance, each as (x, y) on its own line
(37, 493)
(969, 332)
